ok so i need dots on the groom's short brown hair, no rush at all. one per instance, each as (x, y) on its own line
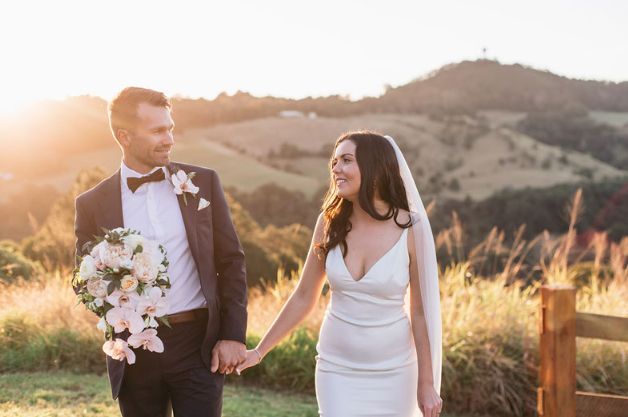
(123, 108)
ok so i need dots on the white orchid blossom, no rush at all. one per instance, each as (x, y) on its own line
(119, 350)
(123, 318)
(123, 299)
(183, 183)
(148, 340)
(153, 303)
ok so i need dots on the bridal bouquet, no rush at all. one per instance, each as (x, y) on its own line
(124, 281)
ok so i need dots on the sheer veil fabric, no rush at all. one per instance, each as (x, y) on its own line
(426, 263)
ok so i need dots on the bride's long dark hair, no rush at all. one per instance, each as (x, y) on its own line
(378, 171)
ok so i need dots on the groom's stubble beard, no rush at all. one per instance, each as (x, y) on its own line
(150, 157)
(165, 159)
(158, 161)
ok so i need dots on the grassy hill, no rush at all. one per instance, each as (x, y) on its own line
(482, 155)
(486, 84)
(451, 156)
(235, 169)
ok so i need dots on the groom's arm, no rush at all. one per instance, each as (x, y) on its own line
(83, 228)
(230, 267)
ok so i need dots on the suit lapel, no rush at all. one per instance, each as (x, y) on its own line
(112, 203)
(188, 212)
(111, 206)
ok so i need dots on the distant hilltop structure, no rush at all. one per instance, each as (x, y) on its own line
(292, 114)
(6, 176)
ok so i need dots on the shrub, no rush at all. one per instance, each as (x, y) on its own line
(14, 265)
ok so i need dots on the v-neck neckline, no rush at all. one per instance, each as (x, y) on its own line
(376, 262)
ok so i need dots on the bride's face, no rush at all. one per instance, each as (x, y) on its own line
(345, 171)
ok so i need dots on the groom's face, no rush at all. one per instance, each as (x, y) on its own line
(149, 143)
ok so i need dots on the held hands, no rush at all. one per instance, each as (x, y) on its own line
(253, 357)
(430, 402)
(227, 355)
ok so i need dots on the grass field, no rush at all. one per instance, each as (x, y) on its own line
(60, 394)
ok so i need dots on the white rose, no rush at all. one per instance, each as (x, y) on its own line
(128, 283)
(95, 253)
(97, 287)
(151, 249)
(88, 268)
(134, 240)
(127, 264)
(144, 268)
(114, 256)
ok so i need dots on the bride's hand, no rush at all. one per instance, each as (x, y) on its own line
(430, 402)
(252, 358)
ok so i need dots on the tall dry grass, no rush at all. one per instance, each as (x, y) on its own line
(41, 327)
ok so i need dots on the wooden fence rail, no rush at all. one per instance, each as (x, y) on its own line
(560, 324)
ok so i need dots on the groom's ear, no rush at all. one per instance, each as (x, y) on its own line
(122, 136)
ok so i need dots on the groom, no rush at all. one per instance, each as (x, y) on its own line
(207, 300)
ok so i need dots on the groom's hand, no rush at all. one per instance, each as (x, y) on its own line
(226, 355)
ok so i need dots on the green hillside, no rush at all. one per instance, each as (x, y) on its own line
(452, 156)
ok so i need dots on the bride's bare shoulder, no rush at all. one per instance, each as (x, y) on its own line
(403, 217)
(319, 229)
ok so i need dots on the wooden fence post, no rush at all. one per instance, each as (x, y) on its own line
(557, 396)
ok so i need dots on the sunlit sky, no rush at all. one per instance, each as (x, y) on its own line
(52, 49)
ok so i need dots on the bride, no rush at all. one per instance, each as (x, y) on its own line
(372, 241)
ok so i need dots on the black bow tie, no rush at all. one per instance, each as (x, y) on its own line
(134, 182)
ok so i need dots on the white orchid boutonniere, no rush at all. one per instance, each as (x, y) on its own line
(183, 185)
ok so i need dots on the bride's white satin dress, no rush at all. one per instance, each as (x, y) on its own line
(366, 363)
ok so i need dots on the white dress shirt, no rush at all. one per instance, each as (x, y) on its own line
(154, 211)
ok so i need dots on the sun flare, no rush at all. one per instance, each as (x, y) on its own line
(12, 105)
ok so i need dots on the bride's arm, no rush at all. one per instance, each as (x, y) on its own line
(301, 302)
(428, 398)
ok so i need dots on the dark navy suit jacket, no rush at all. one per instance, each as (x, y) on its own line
(213, 242)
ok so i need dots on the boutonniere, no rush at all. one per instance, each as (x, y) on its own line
(183, 185)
